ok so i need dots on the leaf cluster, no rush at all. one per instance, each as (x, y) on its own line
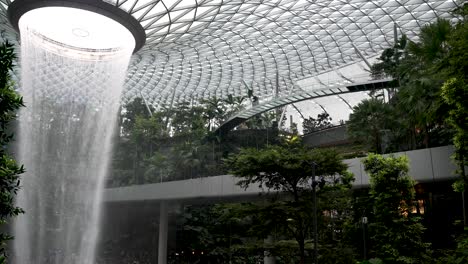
(178, 142)
(455, 91)
(369, 121)
(311, 124)
(415, 114)
(460, 254)
(10, 102)
(396, 233)
(285, 167)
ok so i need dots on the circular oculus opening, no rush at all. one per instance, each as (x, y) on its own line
(82, 24)
(77, 28)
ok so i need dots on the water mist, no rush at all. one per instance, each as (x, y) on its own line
(71, 90)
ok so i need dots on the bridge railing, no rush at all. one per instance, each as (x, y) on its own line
(315, 86)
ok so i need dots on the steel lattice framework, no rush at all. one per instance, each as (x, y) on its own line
(203, 48)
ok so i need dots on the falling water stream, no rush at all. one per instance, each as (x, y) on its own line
(72, 98)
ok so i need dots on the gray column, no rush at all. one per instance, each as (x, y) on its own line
(162, 244)
(267, 257)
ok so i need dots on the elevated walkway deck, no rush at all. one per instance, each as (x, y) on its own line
(426, 165)
(360, 83)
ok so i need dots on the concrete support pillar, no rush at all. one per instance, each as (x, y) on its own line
(267, 257)
(163, 226)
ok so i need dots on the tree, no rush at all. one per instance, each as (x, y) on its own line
(421, 79)
(419, 109)
(311, 124)
(390, 60)
(262, 121)
(396, 234)
(335, 224)
(460, 254)
(234, 104)
(370, 121)
(287, 169)
(419, 99)
(221, 232)
(454, 93)
(10, 102)
(214, 111)
(167, 144)
(132, 110)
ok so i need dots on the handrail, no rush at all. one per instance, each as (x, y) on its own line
(332, 87)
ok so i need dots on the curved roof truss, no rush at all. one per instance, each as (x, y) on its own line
(203, 48)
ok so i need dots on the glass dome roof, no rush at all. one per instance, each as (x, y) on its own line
(203, 48)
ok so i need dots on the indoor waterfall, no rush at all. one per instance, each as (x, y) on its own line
(72, 96)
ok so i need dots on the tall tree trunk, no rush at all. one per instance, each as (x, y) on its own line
(426, 136)
(301, 249)
(378, 145)
(465, 188)
(136, 164)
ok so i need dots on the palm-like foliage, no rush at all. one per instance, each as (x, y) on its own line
(215, 111)
(234, 104)
(421, 80)
(419, 111)
(369, 121)
(390, 60)
(432, 45)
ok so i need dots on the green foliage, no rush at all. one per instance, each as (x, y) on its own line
(455, 90)
(390, 60)
(418, 99)
(335, 224)
(431, 103)
(458, 255)
(311, 124)
(178, 143)
(370, 121)
(285, 167)
(132, 111)
(288, 168)
(237, 232)
(415, 115)
(372, 261)
(432, 46)
(262, 121)
(205, 229)
(224, 233)
(455, 93)
(10, 102)
(396, 234)
(455, 63)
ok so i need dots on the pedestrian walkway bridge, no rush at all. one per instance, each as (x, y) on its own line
(358, 83)
(426, 165)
